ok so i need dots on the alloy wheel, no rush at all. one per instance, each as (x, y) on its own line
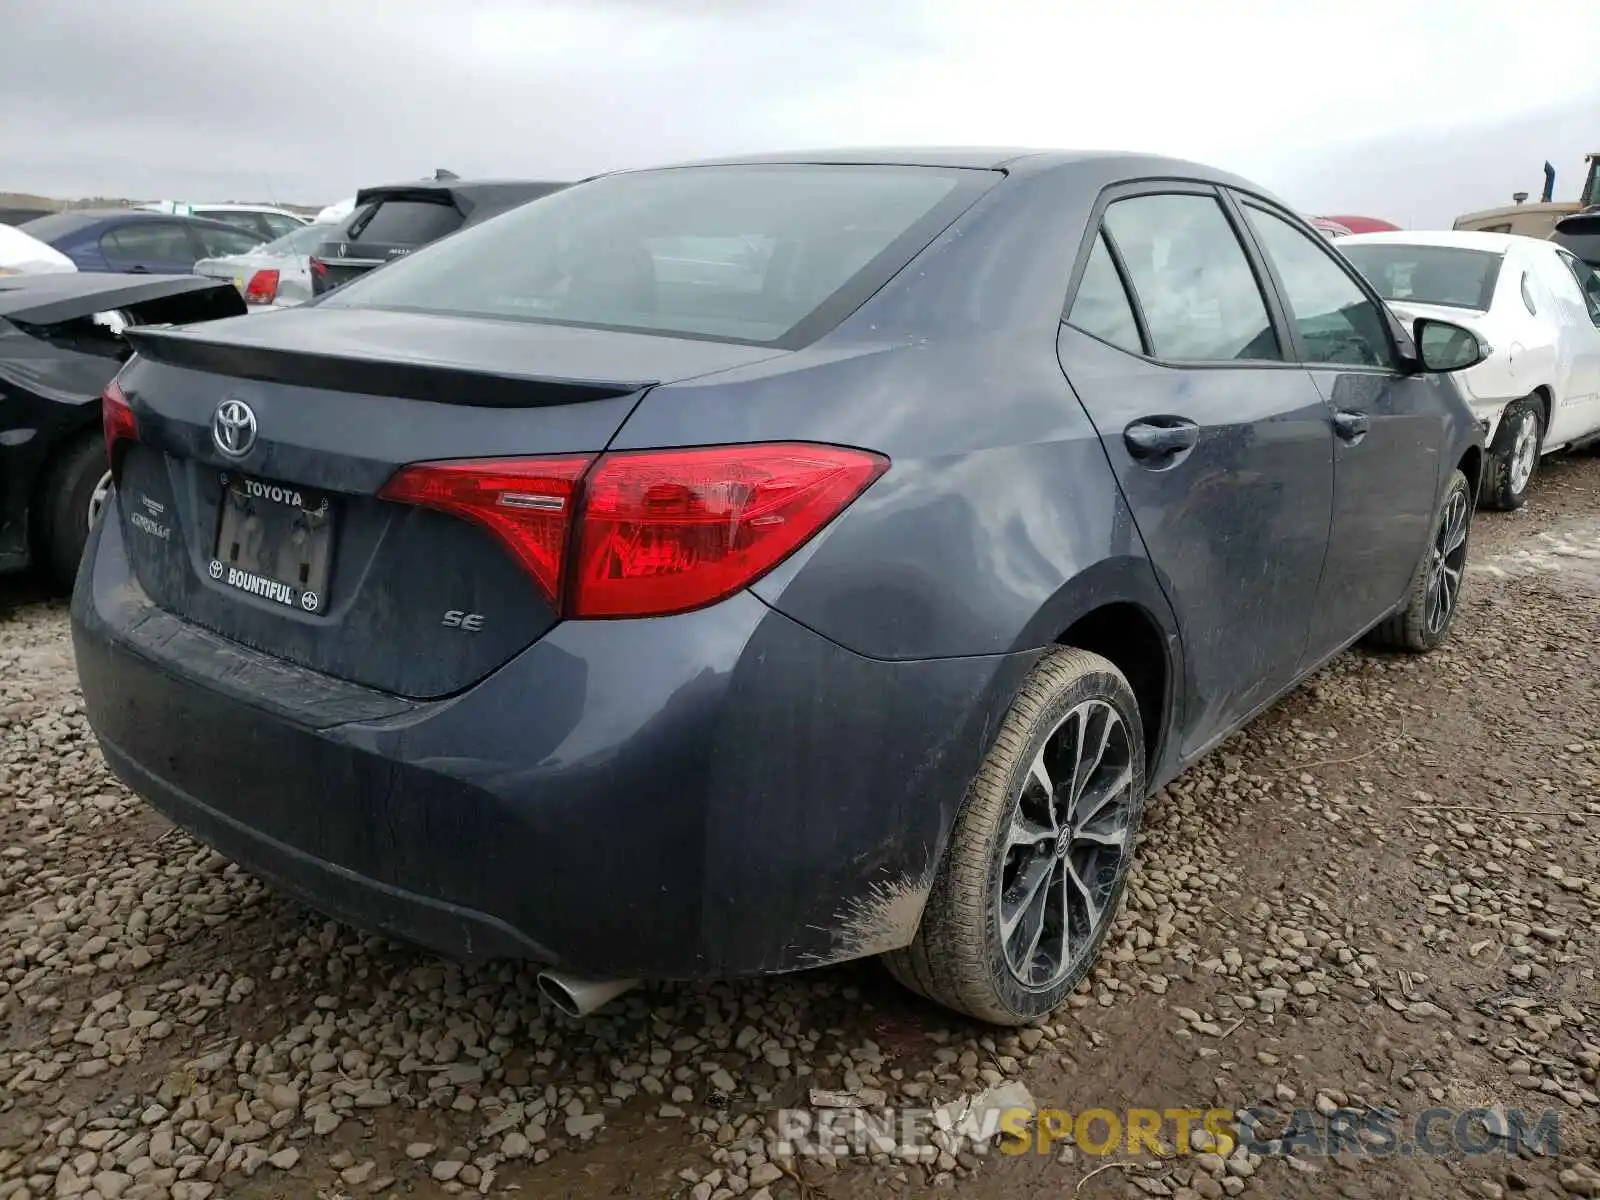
(1447, 560)
(1524, 453)
(98, 497)
(1066, 846)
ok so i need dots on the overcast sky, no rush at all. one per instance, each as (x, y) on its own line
(1413, 109)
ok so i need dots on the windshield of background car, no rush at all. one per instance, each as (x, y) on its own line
(750, 253)
(1446, 275)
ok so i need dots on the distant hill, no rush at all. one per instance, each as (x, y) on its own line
(17, 207)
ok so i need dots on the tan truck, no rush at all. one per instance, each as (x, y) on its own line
(1536, 220)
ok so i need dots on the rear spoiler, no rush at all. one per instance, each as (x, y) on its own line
(436, 383)
(51, 299)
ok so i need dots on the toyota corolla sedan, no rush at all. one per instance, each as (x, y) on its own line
(747, 566)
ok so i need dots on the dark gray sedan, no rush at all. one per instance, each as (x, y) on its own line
(740, 567)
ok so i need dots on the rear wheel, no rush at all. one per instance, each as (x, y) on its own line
(1041, 849)
(1514, 457)
(1436, 590)
(71, 498)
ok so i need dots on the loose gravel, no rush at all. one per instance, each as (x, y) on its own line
(1381, 896)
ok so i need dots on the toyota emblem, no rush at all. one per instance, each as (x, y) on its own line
(233, 428)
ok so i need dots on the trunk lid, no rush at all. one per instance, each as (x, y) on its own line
(287, 548)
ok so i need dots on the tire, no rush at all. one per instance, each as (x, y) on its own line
(1420, 625)
(958, 958)
(1514, 457)
(68, 487)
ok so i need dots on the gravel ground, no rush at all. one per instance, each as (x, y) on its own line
(1381, 896)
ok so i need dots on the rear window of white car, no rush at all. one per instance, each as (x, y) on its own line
(1443, 275)
(763, 254)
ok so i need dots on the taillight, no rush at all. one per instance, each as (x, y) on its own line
(645, 533)
(525, 502)
(665, 531)
(117, 421)
(262, 288)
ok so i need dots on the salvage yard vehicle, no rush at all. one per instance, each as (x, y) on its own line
(132, 241)
(274, 275)
(265, 221)
(393, 220)
(1536, 305)
(524, 599)
(60, 344)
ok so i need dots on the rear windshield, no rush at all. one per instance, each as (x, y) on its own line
(56, 225)
(407, 223)
(1444, 275)
(739, 253)
(300, 241)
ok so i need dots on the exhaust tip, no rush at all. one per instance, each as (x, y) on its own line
(577, 998)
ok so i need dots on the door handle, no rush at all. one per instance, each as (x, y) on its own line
(138, 269)
(1159, 437)
(1351, 426)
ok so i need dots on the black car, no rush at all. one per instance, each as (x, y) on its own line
(131, 240)
(749, 566)
(61, 343)
(394, 219)
(1580, 234)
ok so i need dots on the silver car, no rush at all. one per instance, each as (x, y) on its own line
(276, 274)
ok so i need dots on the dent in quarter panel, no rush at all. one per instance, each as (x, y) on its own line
(997, 493)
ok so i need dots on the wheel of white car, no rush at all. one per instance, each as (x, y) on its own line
(1514, 457)
(1040, 851)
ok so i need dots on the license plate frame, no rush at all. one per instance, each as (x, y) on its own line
(274, 541)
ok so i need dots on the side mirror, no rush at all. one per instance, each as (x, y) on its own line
(1442, 346)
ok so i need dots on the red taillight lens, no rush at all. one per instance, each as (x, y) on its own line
(525, 502)
(665, 531)
(650, 532)
(319, 268)
(116, 420)
(262, 288)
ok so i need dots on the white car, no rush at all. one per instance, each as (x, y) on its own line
(274, 275)
(23, 254)
(1538, 308)
(263, 220)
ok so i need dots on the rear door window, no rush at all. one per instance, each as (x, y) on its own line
(1199, 294)
(278, 225)
(407, 223)
(1101, 307)
(141, 243)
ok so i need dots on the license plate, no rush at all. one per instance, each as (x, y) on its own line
(275, 541)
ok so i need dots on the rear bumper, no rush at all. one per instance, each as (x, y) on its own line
(717, 794)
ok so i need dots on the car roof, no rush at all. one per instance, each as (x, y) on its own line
(1460, 239)
(89, 215)
(1014, 160)
(250, 208)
